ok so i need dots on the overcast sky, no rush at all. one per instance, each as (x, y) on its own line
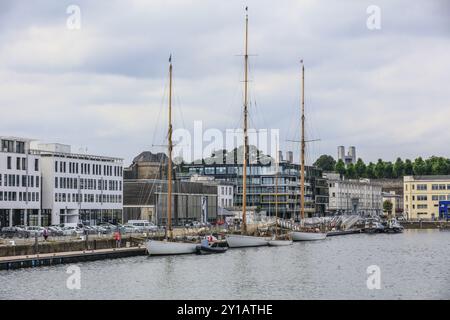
(104, 86)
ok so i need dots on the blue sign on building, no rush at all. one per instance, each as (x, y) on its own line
(444, 208)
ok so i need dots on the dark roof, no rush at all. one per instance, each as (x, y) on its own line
(436, 177)
(147, 156)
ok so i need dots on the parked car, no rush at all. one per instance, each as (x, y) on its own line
(34, 231)
(11, 232)
(108, 227)
(193, 224)
(55, 231)
(72, 231)
(143, 225)
(128, 228)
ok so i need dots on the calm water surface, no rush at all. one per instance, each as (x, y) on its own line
(414, 265)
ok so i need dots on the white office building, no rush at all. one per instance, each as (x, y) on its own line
(354, 196)
(80, 187)
(20, 183)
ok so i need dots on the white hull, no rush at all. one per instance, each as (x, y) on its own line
(279, 243)
(155, 248)
(308, 236)
(239, 241)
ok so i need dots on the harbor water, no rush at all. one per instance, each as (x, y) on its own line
(412, 265)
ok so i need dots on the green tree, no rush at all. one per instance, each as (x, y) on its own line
(325, 162)
(439, 166)
(388, 170)
(379, 169)
(350, 171)
(370, 170)
(399, 168)
(419, 167)
(340, 167)
(360, 168)
(387, 207)
(408, 169)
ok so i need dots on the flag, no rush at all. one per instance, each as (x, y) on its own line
(170, 58)
(246, 8)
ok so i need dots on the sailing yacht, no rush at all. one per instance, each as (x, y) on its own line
(277, 240)
(243, 240)
(169, 246)
(300, 235)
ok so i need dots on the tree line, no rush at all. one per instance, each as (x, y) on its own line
(385, 169)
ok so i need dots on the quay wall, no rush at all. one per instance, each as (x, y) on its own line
(425, 224)
(64, 246)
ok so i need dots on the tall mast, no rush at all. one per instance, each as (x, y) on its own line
(276, 191)
(170, 147)
(302, 168)
(244, 167)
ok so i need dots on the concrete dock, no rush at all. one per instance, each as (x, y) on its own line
(48, 259)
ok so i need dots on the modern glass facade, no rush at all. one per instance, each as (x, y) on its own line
(262, 189)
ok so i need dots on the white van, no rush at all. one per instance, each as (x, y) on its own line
(143, 225)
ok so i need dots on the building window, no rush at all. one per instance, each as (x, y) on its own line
(435, 197)
(7, 146)
(18, 163)
(20, 147)
(421, 187)
(422, 198)
(422, 206)
(56, 166)
(36, 164)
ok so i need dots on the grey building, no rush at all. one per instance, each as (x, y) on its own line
(147, 199)
(261, 186)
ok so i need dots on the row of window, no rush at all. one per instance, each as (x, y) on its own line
(21, 163)
(226, 203)
(19, 196)
(435, 197)
(16, 180)
(8, 146)
(88, 198)
(87, 184)
(226, 190)
(88, 168)
(424, 187)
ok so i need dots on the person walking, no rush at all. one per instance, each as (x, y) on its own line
(45, 234)
(118, 238)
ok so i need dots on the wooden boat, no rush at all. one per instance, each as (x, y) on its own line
(240, 241)
(299, 235)
(169, 246)
(155, 248)
(308, 236)
(279, 243)
(243, 240)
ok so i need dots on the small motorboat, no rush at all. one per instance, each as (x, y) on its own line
(373, 225)
(206, 248)
(393, 226)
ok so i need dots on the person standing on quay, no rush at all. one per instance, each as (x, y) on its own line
(117, 237)
(45, 234)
